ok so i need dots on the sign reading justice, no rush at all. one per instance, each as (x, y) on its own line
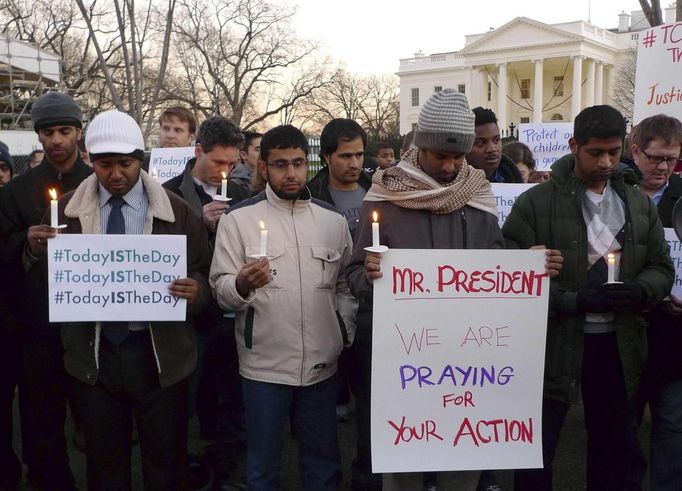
(458, 360)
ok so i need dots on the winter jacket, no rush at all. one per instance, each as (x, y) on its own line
(292, 330)
(319, 185)
(550, 214)
(24, 201)
(507, 172)
(174, 342)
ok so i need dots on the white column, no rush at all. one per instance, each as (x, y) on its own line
(468, 87)
(608, 82)
(589, 85)
(502, 96)
(599, 84)
(576, 93)
(538, 81)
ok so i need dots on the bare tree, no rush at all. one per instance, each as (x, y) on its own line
(381, 111)
(652, 11)
(236, 57)
(624, 85)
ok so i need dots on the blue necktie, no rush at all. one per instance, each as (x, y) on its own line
(115, 332)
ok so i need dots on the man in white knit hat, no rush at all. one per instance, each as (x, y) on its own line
(431, 200)
(122, 369)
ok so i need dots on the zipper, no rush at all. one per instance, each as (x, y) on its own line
(300, 291)
(464, 229)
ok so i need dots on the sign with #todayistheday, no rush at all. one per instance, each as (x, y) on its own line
(658, 80)
(505, 196)
(115, 277)
(676, 255)
(458, 349)
(166, 163)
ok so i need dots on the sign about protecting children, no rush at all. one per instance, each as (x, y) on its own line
(547, 141)
(458, 360)
(658, 86)
(676, 255)
(166, 163)
(116, 277)
(505, 196)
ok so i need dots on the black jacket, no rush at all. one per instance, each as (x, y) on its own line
(319, 185)
(508, 171)
(24, 201)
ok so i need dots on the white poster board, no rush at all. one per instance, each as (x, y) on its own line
(169, 162)
(115, 277)
(658, 80)
(458, 349)
(547, 141)
(505, 196)
(676, 255)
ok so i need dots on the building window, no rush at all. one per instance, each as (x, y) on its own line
(461, 88)
(525, 88)
(525, 119)
(557, 117)
(414, 126)
(634, 37)
(438, 88)
(490, 91)
(415, 97)
(559, 86)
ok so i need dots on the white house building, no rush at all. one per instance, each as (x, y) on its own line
(526, 71)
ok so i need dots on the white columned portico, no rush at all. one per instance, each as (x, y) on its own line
(589, 85)
(537, 92)
(576, 94)
(502, 96)
(599, 84)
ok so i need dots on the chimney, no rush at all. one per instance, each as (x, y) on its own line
(623, 22)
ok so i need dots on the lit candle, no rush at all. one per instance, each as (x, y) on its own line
(54, 220)
(223, 186)
(611, 261)
(375, 230)
(263, 240)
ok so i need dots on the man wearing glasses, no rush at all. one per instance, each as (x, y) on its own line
(656, 149)
(279, 263)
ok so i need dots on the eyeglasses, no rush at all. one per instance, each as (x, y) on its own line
(657, 159)
(284, 164)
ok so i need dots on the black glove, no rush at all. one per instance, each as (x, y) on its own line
(592, 300)
(624, 296)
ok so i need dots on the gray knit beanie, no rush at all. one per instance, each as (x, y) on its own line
(56, 109)
(445, 123)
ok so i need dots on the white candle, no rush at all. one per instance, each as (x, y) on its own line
(223, 186)
(375, 230)
(54, 219)
(263, 240)
(611, 261)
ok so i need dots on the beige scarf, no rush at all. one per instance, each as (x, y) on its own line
(408, 186)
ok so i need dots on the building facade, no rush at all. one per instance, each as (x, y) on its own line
(526, 71)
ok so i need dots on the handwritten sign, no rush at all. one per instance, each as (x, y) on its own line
(505, 196)
(115, 277)
(169, 162)
(458, 360)
(676, 255)
(658, 85)
(547, 141)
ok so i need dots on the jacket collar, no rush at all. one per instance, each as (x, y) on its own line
(298, 206)
(564, 176)
(189, 192)
(84, 204)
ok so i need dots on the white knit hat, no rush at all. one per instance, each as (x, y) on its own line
(445, 123)
(114, 132)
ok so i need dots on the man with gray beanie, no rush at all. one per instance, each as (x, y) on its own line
(140, 369)
(57, 120)
(431, 200)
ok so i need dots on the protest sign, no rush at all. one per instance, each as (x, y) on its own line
(166, 163)
(505, 195)
(458, 346)
(676, 255)
(115, 277)
(658, 85)
(547, 141)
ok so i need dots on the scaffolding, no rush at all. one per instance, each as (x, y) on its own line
(26, 71)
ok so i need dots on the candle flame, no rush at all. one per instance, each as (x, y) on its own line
(225, 177)
(611, 256)
(375, 216)
(53, 193)
(262, 225)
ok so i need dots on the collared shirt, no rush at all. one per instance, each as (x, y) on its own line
(134, 210)
(656, 198)
(208, 189)
(134, 215)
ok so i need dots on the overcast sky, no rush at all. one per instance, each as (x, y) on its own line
(370, 36)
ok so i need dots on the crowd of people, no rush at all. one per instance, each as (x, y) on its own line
(283, 338)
